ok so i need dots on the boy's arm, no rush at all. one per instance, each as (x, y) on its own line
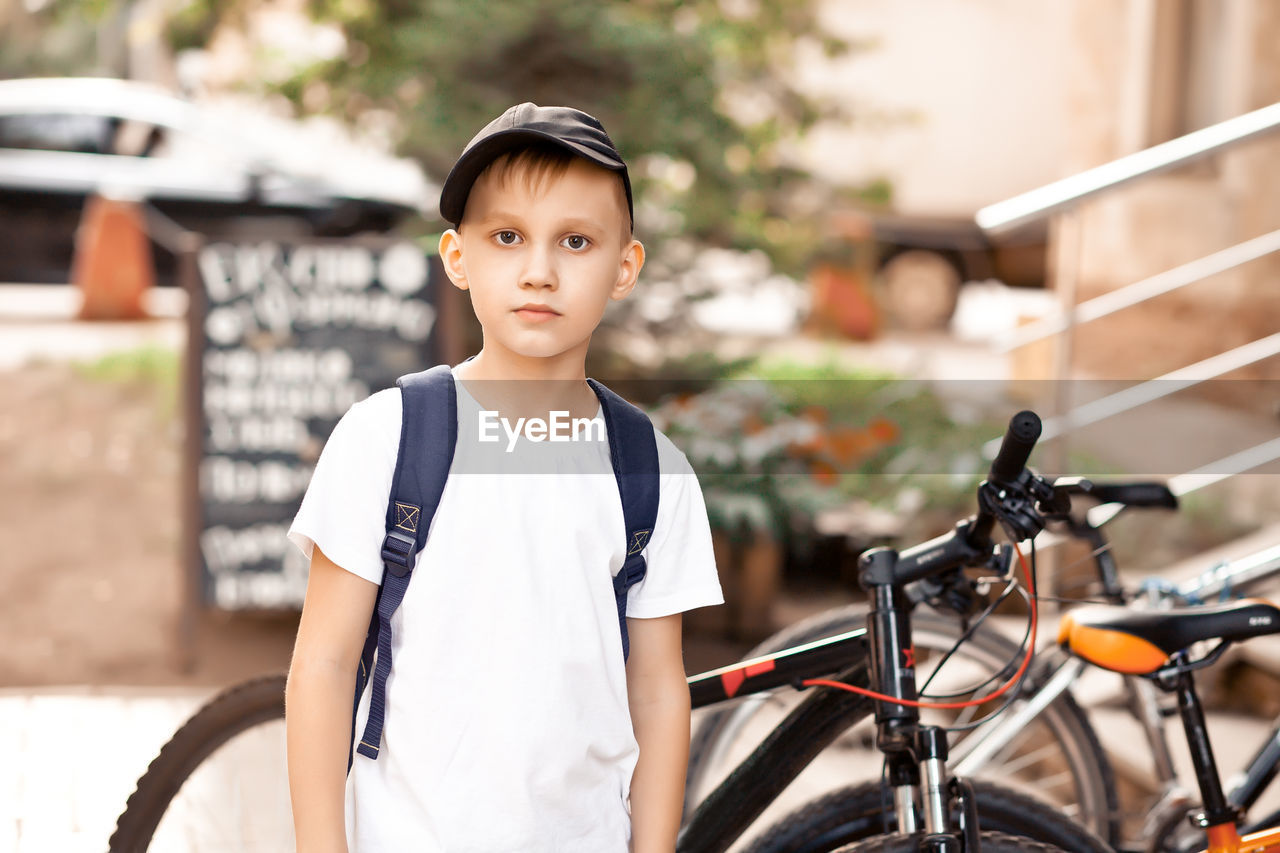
(658, 695)
(335, 617)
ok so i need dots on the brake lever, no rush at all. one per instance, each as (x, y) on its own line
(1054, 498)
(1014, 504)
(956, 592)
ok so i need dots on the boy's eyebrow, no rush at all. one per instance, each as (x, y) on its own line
(580, 223)
(503, 215)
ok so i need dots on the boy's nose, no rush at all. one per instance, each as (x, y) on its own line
(539, 269)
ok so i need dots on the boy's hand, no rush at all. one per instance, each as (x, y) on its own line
(658, 695)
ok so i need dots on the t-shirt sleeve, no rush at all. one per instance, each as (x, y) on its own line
(680, 566)
(344, 510)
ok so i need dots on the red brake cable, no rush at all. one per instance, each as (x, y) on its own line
(1008, 685)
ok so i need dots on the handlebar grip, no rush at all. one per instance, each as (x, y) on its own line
(1136, 494)
(1019, 440)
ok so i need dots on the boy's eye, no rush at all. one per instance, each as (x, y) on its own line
(507, 238)
(576, 242)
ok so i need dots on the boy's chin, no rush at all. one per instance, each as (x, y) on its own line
(542, 350)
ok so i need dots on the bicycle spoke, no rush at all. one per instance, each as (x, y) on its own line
(1024, 760)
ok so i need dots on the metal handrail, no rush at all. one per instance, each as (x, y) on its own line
(1140, 291)
(1181, 484)
(1060, 195)
(1225, 468)
(1154, 389)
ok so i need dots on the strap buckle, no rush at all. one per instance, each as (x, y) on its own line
(631, 573)
(398, 553)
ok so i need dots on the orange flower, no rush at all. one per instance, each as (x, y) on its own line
(824, 473)
(848, 444)
(884, 430)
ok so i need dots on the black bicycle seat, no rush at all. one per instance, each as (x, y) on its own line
(1140, 641)
(1135, 494)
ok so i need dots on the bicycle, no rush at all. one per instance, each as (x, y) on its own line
(1157, 646)
(1055, 751)
(949, 811)
(1087, 784)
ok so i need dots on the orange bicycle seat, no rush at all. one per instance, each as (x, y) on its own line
(1138, 642)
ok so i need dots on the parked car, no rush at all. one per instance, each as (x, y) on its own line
(224, 171)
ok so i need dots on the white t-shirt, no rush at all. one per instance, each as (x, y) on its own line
(507, 726)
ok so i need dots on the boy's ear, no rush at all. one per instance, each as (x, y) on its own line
(451, 258)
(629, 270)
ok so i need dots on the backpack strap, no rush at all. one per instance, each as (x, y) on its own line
(428, 434)
(633, 450)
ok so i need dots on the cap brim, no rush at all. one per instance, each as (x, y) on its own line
(457, 187)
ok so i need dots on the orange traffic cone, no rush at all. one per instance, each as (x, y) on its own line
(112, 265)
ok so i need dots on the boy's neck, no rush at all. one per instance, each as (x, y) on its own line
(523, 387)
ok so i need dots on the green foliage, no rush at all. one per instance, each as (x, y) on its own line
(192, 24)
(776, 442)
(697, 94)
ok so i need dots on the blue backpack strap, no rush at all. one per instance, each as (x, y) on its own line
(633, 450)
(428, 434)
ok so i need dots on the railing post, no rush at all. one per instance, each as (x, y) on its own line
(1067, 243)
(187, 246)
(1066, 273)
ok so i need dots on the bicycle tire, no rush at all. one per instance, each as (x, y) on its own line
(856, 812)
(991, 842)
(1092, 777)
(233, 711)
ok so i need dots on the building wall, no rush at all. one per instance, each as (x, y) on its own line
(1139, 80)
(959, 103)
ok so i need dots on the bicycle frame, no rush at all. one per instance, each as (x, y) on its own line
(1219, 817)
(825, 714)
(1225, 839)
(810, 728)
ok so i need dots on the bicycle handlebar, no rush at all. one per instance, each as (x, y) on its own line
(1015, 449)
(1006, 495)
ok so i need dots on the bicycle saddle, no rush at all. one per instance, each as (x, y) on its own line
(1138, 642)
(1135, 494)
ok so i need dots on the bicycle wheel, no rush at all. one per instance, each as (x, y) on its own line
(991, 842)
(1057, 757)
(220, 783)
(864, 810)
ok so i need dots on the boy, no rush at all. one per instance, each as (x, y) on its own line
(512, 722)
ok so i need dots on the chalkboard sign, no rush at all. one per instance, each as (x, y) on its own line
(284, 338)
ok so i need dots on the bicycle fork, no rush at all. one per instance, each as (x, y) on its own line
(914, 753)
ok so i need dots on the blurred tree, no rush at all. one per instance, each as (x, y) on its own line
(699, 95)
(41, 38)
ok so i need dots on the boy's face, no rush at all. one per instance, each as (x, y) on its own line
(543, 258)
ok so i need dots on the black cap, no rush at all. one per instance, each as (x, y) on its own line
(573, 130)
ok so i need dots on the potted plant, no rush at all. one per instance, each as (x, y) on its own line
(766, 469)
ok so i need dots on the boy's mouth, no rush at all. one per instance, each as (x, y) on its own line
(534, 312)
